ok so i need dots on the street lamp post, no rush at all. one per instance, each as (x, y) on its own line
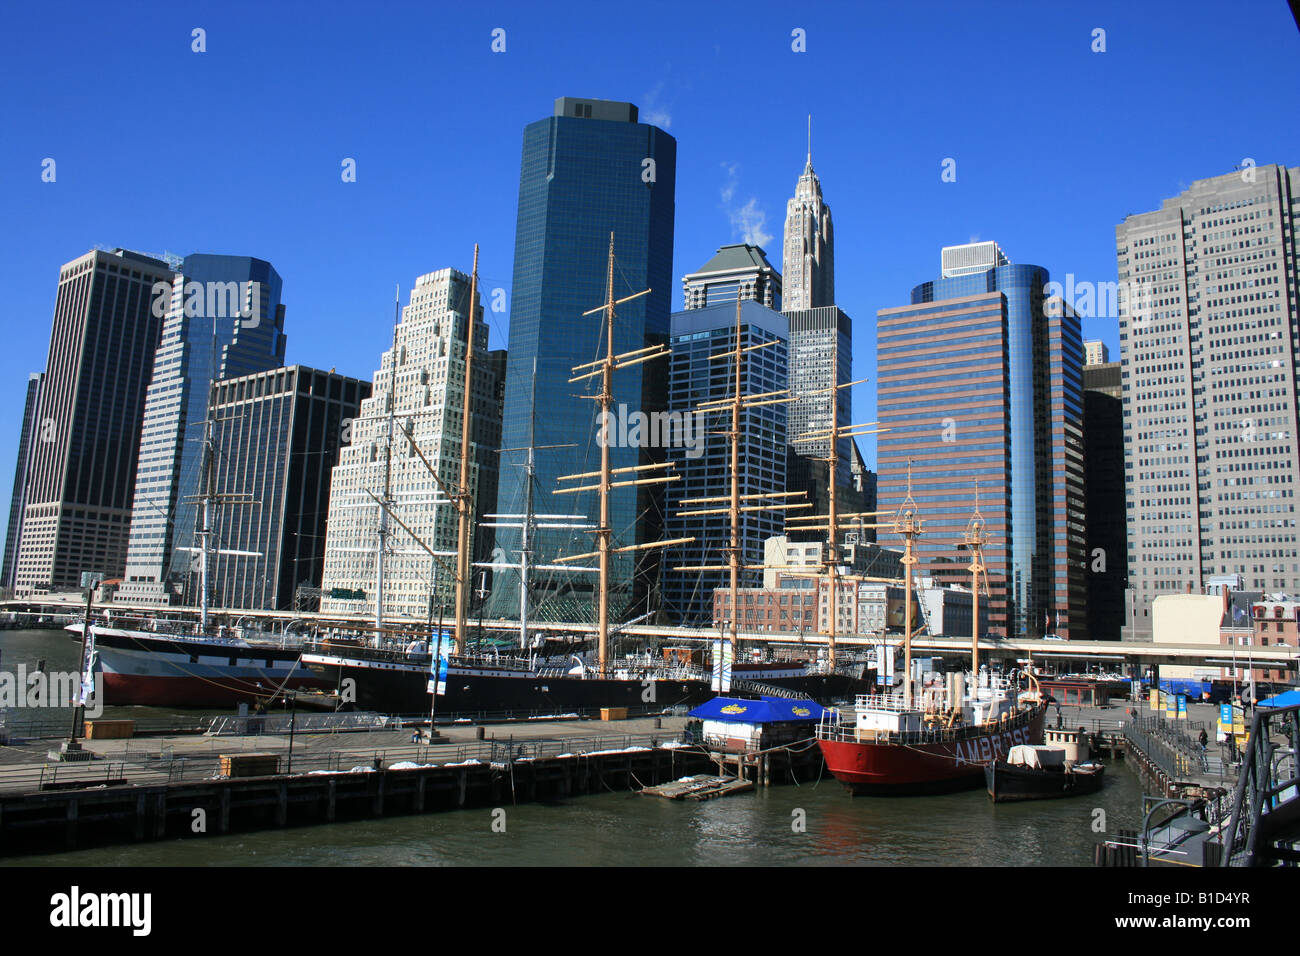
(77, 709)
(293, 721)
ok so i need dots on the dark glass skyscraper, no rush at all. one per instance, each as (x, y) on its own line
(77, 508)
(26, 437)
(277, 438)
(588, 170)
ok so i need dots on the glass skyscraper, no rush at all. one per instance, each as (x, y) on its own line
(589, 170)
(981, 381)
(705, 463)
(223, 319)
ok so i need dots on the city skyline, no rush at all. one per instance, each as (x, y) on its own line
(732, 185)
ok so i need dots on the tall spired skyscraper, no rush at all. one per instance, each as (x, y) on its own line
(808, 266)
(821, 342)
(589, 170)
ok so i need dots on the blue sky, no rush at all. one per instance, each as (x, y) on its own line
(238, 150)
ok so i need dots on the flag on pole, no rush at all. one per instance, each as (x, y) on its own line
(88, 678)
(438, 667)
(722, 655)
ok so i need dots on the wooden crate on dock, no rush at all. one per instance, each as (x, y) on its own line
(109, 729)
(613, 713)
(250, 765)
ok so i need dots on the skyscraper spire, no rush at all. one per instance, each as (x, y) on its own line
(808, 263)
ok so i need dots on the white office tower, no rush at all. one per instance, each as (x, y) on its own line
(1209, 330)
(418, 395)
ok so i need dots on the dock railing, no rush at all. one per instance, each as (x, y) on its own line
(279, 723)
(1263, 827)
(165, 766)
(1169, 745)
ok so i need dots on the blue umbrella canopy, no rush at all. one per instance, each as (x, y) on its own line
(765, 711)
(1290, 699)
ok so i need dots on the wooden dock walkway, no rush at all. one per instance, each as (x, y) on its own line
(184, 787)
(700, 787)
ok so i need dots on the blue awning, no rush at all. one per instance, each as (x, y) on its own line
(767, 710)
(1290, 699)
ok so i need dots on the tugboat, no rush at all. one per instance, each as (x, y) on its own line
(1040, 773)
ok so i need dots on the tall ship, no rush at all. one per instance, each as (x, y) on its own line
(936, 738)
(163, 663)
(170, 664)
(394, 671)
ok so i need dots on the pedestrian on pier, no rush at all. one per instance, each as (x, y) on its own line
(1204, 740)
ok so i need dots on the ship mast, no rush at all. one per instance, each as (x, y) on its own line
(526, 529)
(463, 499)
(833, 518)
(527, 523)
(908, 525)
(738, 402)
(209, 500)
(460, 496)
(605, 368)
(386, 501)
(976, 537)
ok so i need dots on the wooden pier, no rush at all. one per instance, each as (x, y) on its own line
(700, 787)
(788, 763)
(96, 815)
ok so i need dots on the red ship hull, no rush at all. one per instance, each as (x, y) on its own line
(956, 763)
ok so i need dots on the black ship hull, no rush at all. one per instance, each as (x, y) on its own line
(1007, 783)
(403, 690)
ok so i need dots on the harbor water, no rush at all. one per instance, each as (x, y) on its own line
(816, 823)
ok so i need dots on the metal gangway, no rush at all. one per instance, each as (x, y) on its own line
(1265, 822)
(275, 724)
(768, 690)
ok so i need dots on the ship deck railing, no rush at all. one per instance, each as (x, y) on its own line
(181, 631)
(843, 728)
(272, 724)
(629, 668)
(402, 654)
(52, 723)
(894, 703)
